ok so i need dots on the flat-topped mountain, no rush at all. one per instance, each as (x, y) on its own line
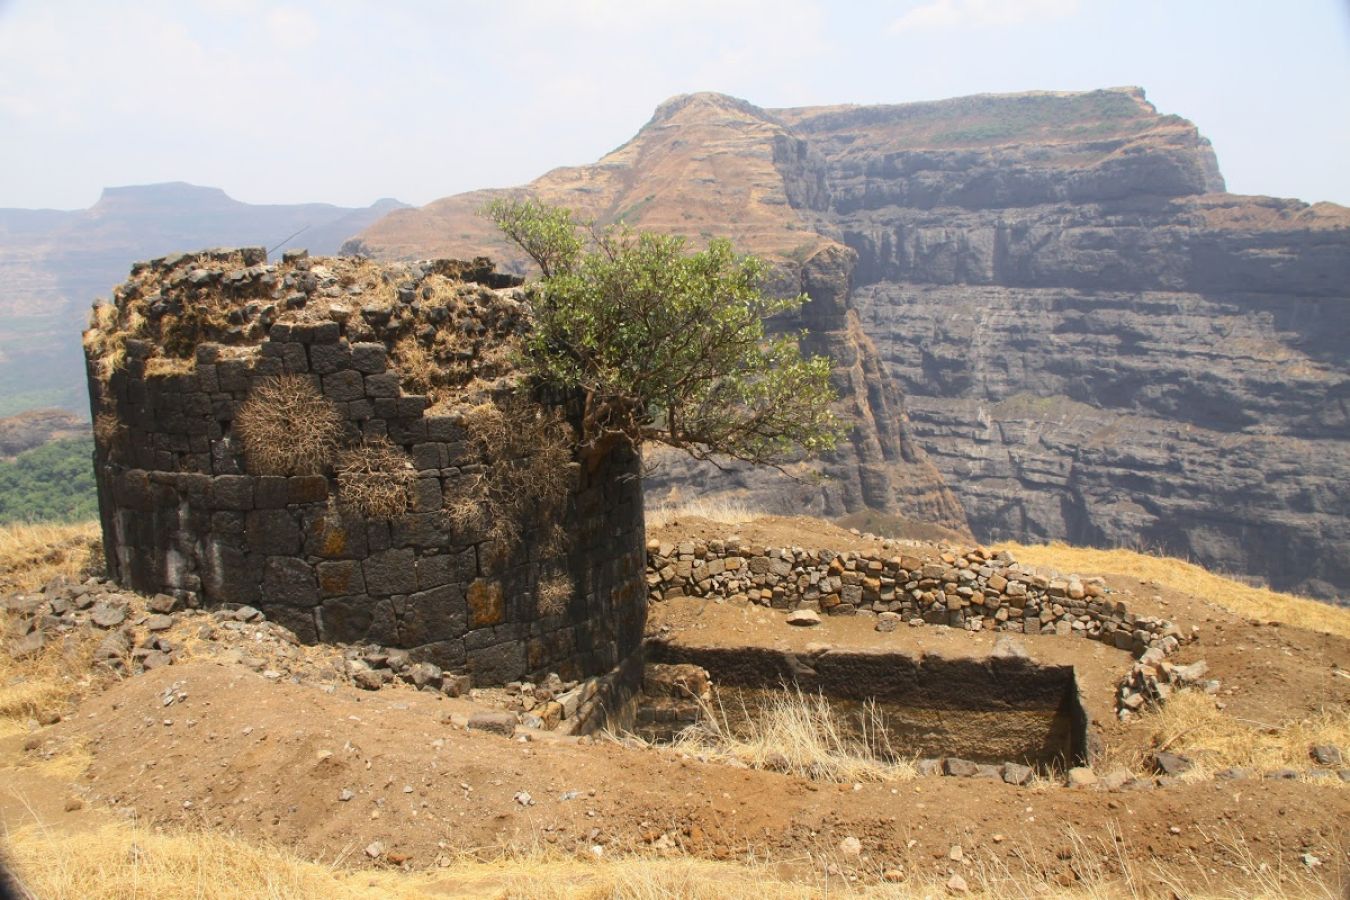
(54, 262)
(1049, 296)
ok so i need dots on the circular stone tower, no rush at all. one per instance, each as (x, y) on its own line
(346, 446)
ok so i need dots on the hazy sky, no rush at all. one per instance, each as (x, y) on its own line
(348, 101)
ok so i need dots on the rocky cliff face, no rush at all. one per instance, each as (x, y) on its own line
(1095, 344)
(879, 466)
(1046, 296)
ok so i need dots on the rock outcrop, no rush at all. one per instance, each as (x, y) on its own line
(1047, 296)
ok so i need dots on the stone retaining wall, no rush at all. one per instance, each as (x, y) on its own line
(182, 514)
(972, 589)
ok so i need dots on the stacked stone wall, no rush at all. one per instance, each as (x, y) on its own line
(972, 589)
(182, 514)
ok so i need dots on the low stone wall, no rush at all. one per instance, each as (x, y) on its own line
(972, 589)
(183, 514)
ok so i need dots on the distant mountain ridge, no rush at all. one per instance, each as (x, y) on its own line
(1047, 296)
(53, 263)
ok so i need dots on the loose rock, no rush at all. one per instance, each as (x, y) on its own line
(503, 723)
(1173, 764)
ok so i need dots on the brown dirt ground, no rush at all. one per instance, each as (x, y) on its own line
(269, 759)
(248, 755)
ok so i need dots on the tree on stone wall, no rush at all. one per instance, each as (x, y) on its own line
(667, 345)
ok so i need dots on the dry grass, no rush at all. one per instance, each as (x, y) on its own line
(288, 428)
(1191, 724)
(104, 341)
(464, 506)
(417, 366)
(23, 697)
(121, 861)
(684, 878)
(718, 509)
(801, 734)
(552, 594)
(169, 365)
(1106, 867)
(1244, 600)
(528, 477)
(374, 479)
(48, 682)
(32, 555)
(106, 428)
(376, 283)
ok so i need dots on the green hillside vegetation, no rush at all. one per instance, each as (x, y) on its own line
(51, 483)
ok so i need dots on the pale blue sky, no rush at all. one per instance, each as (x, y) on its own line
(347, 101)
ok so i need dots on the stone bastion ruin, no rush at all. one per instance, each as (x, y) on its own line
(347, 446)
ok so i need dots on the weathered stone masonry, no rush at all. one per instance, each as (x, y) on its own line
(182, 515)
(972, 589)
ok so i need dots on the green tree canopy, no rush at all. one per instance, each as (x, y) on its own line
(51, 483)
(667, 345)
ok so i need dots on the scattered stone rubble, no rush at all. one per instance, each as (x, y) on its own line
(132, 627)
(1152, 679)
(136, 633)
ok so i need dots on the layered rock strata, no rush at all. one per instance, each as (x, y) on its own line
(1096, 344)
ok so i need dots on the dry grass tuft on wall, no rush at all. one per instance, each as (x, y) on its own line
(106, 428)
(375, 479)
(288, 428)
(529, 473)
(417, 367)
(552, 594)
